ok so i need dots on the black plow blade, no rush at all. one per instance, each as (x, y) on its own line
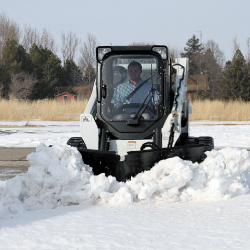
(135, 162)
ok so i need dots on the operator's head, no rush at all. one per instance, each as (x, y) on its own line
(134, 71)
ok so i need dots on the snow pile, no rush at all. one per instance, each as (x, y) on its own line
(57, 176)
(224, 174)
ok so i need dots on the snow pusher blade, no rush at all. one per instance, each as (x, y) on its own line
(135, 162)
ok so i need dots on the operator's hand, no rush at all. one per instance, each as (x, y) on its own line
(111, 109)
(114, 108)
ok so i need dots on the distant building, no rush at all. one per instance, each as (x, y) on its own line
(82, 92)
(195, 83)
(65, 96)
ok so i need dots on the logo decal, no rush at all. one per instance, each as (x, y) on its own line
(86, 119)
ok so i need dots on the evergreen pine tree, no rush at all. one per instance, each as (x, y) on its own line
(193, 51)
(15, 58)
(236, 80)
(48, 71)
(51, 75)
(72, 74)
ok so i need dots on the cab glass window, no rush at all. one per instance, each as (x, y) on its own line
(132, 88)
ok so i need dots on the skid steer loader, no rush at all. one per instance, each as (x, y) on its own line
(138, 113)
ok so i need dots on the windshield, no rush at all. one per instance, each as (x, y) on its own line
(133, 88)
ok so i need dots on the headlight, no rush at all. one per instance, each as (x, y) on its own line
(162, 50)
(101, 52)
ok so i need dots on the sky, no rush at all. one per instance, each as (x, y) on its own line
(117, 22)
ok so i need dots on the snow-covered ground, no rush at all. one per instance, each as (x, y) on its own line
(32, 133)
(59, 204)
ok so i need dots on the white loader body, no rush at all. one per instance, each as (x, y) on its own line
(90, 133)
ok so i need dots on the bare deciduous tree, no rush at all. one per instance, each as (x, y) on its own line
(21, 85)
(215, 50)
(213, 72)
(70, 43)
(30, 37)
(174, 52)
(47, 41)
(88, 58)
(15, 85)
(8, 30)
(248, 50)
(236, 45)
(88, 51)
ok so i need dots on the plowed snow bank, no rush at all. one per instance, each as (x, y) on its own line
(57, 176)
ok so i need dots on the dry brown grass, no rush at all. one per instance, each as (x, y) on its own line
(44, 110)
(52, 110)
(220, 110)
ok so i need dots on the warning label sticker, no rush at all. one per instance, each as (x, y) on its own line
(131, 144)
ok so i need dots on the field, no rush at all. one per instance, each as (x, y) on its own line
(44, 110)
(220, 110)
(52, 110)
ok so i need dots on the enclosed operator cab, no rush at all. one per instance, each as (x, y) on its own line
(132, 91)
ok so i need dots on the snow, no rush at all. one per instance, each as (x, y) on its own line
(60, 204)
(225, 134)
(32, 133)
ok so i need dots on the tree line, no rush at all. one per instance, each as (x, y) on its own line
(31, 69)
(226, 81)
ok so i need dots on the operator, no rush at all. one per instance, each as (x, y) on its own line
(123, 90)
